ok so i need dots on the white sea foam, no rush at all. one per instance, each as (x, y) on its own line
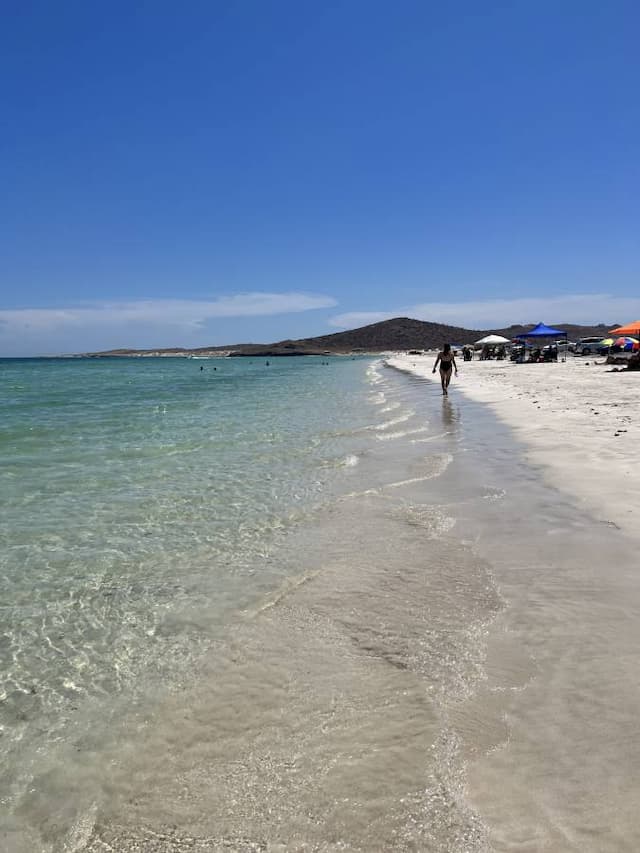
(401, 433)
(378, 398)
(393, 422)
(373, 374)
(380, 427)
(430, 438)
(391, 407)
(350, 461)
(435, 466)
(362, 494)
(407, 482)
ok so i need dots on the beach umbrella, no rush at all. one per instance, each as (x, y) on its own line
(493, 339)
(629, 329)
(626, 343)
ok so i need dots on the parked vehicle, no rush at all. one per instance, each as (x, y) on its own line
(587, 346)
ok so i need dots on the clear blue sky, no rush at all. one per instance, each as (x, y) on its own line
(215, 172)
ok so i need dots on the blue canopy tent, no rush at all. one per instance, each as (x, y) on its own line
(542, 331)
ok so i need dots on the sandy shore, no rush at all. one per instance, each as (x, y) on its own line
(578, 419)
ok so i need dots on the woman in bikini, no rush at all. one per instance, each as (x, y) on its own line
(447, 362)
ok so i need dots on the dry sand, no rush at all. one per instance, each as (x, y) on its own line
(578, 419)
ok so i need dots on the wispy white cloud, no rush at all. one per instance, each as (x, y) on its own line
(166, 312)
(583, 309)
(170, 321)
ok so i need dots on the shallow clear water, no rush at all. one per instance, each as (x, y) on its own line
(142, 495)
(300, 607)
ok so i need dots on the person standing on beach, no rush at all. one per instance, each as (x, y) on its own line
(447, 362)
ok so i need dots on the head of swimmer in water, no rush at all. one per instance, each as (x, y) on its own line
(446, 349)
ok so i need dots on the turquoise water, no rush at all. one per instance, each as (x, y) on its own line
(139, 502)
(216, 580)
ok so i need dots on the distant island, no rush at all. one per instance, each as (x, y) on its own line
(400, 333)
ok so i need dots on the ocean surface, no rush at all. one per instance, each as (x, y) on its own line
(304, 605)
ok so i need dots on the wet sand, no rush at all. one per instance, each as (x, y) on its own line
(562, 656)
(577, 419)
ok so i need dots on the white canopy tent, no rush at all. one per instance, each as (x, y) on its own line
(492, 340)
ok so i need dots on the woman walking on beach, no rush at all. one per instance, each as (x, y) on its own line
(447, 362)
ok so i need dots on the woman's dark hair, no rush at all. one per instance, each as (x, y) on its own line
(446, 349)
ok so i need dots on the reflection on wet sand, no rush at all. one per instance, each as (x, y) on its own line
(450, 413)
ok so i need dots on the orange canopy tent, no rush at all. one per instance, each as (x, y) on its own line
(630, 329)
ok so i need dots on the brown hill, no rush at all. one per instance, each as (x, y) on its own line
(401, 333)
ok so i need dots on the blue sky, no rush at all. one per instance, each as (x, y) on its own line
(218, 172)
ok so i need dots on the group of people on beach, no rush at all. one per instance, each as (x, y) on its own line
(447, 361)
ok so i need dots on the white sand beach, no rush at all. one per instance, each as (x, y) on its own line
(577, 418)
